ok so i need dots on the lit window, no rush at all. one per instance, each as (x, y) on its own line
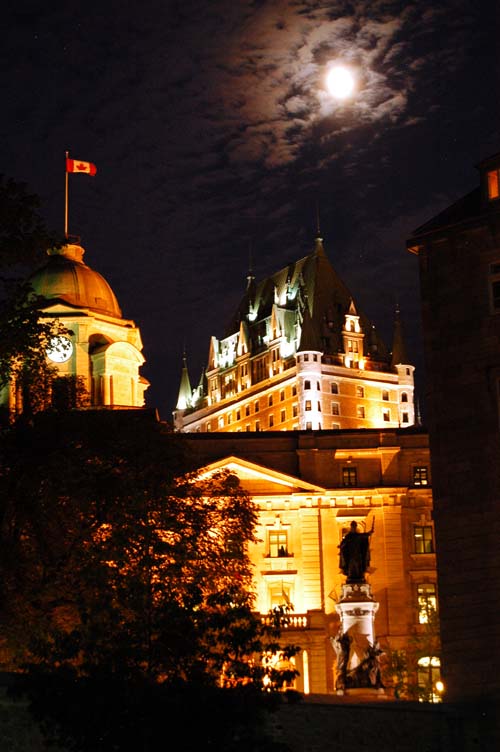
(385, 395)
(349, 477)
(221, 422)
(427, 602)
(309, 426)
(386, 414)
(308, 405)
(423, 539)
(209, 427)
(493, 184)
(279, 595)
(283, 416)
(495, 287)
(429, 678)
(360, 411)
(360, 391)
(420, 476)
(278, 543)
(334, 388)
(335, 408)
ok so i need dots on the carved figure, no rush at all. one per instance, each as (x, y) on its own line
(354, 553)
(342, 646)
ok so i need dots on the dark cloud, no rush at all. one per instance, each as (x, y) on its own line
(213, 133)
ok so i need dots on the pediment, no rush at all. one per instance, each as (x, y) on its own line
(258, 479)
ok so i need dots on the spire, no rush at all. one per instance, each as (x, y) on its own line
(398, 355)
(318, 242)
(185, 392)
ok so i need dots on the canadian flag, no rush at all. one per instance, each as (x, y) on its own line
(76, 165)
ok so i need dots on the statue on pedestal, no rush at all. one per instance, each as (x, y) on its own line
(354, 553)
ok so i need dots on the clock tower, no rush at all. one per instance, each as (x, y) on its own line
(102, 349)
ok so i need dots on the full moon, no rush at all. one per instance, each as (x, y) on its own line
(340, 82)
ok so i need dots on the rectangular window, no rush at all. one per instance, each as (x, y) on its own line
(386, 415)
(360, 411)
(295, 410)
(282, 395)
(256, 407)
(493, 184)
(271, 421)
(335, 408)
(360, 391)
(307, 384)
(283, 416)
(427, 602)
(308, 405)
(334, 387)
(404, 418)
(336, 426)
(495, 287)
(420, 476)
(385, 395)
(309, 426)
(294, 390)
(349, 477)
(278, 543)
(247, 410)
(423, 539)
(270, 400)
(257, 425)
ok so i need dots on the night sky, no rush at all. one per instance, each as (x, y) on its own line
(214, 136)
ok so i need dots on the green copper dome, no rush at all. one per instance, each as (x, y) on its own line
(67, 279)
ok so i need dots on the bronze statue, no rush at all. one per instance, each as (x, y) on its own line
(354, 554)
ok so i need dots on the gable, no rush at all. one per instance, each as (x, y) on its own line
(259, 480)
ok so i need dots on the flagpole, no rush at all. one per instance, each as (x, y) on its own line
(66, 199)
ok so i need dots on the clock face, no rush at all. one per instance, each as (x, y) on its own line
(60, 349)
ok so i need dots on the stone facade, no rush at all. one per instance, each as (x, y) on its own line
(459, 261)
(309, 487)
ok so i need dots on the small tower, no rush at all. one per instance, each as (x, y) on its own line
(400, 364)
(308, 358)
(352, 338)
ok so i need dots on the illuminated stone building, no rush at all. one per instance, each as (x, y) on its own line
(308, 487)
(459, 260)
(103, 349)
(299, 354)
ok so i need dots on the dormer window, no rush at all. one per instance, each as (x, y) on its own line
(493, 178)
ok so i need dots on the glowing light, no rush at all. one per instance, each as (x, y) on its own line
(340, 82)
(439, 687)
